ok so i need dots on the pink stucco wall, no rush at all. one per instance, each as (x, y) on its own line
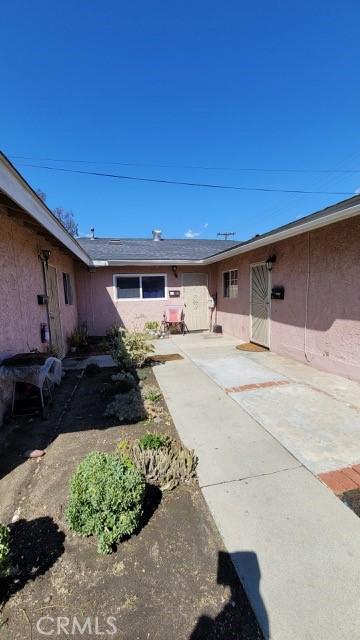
(99, 308)
(21, 280)
(333, 324)
(331, 340)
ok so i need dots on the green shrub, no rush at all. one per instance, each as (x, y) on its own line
(153, 441)
(113, 332)
(129, 348)
(153, 394)
(152, 326)
(78, 337)
(137, 347)
(106, 499)
(124, 376)
(127, 408)
(124, 381)
(124, 451)
(4, 550)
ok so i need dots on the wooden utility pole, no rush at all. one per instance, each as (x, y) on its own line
(227, 234)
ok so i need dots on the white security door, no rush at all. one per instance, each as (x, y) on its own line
(196, 301)
(260, 304)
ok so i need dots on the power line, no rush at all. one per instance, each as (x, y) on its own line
(197, 167)
(316, 183)
(186, 184)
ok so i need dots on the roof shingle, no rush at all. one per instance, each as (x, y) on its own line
(147, 249)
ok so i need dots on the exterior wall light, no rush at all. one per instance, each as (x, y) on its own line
(270, 261)
(174, 270)
(44, 256)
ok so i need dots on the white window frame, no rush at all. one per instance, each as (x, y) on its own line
(140, 276)
(229, 271)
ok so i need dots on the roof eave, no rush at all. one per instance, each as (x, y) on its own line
(298, 229)
(16, 188)
(145, 263)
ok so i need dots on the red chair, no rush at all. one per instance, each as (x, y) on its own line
(173, 319)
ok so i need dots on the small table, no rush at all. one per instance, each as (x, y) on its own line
(36, 369)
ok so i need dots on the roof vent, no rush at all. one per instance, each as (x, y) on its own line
(92, 231)
(156, 233)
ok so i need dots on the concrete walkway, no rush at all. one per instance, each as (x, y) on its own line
(295, 546)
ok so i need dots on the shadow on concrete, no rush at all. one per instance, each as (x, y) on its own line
(235, 620)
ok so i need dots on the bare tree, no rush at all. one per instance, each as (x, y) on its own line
(41, 194)
(66, 218)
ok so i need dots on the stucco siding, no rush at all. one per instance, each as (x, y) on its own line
(21, 280)
(332, 338)
(99, 308)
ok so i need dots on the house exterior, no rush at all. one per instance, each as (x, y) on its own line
(134, 280)
(37, 257)
(294, 290)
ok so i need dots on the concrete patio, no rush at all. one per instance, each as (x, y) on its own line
(262, 426)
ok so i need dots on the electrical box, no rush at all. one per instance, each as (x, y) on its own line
(42, 298)
(174, 293)
(277, 293)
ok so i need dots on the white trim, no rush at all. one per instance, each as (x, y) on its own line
(147, 263)
(258, 264)
(140, 276)
(16, 188)
(222, 283)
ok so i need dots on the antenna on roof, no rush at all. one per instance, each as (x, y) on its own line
(92, 231)
(226, 234)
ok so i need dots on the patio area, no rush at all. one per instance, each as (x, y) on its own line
(264, 428)
(313, 414)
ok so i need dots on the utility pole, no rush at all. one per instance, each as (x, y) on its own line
(227, 234)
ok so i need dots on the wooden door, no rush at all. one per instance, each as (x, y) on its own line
(260, 304)
(54, 311)
(196, 301)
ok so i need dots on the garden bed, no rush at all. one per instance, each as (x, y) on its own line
(169, 580)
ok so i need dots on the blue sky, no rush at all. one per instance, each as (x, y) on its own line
(233, 85)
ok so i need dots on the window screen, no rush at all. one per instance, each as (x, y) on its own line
(231, 284)
(128, 287)
(153, 286)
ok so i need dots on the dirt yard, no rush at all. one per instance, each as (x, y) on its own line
(171, 581)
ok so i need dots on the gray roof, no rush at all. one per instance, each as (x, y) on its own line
(149, 249)
(138, 249)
